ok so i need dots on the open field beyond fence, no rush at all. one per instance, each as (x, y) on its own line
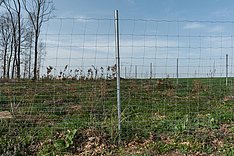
(159, 117)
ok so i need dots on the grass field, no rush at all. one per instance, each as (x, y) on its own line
(79, 117)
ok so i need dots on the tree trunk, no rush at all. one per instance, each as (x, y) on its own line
(19, 40)
(9, 60)
(35, 57)
(5, 60)
(15, 55)
(30, 57)
(13, 68)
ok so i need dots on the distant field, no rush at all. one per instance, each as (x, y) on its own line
(79, 117)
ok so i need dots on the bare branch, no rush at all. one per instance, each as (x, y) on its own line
(1, 1)
(39, 11)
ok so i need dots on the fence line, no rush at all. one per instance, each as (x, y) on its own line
(175, 76)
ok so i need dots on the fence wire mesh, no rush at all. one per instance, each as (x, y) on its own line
(176, 89)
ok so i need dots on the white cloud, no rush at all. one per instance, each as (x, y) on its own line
(131, 1)
(81, 18)
(217, 29)
(224, 13)
(194, 25)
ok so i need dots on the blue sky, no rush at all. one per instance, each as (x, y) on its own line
(198, 32)
(152, 9)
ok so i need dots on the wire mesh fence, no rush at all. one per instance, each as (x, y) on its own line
(176, 83)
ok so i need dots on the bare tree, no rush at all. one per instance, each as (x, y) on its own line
(18, 11)
(41, 56)
(14, 9)
(28, 44)
(10, 56)
(39, 11)
(27, 36)
(5, 35)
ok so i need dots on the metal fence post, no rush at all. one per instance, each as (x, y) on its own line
(118, 70)
(226, 69)
(177, 71)
(151, 70)
(135, 71)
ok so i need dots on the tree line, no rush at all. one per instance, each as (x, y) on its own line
(21, 50)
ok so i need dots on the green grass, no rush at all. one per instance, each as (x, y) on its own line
(159, 116)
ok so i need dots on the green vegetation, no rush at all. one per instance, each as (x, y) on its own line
(79, 117)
